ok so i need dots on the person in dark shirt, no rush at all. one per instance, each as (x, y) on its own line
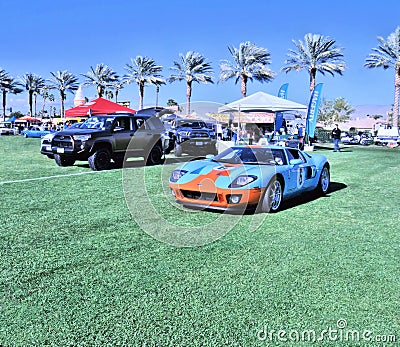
(336, 137)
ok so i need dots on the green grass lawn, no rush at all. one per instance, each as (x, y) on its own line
(78, 270)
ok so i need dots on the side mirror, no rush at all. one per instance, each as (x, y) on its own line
(296, 162)
(210, 156)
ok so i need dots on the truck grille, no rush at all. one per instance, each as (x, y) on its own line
(63, 141)
(199, 134)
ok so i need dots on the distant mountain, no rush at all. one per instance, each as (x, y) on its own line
(363, 111)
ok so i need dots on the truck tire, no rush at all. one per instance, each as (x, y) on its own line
(155, 156)
(178, 150)
(62, 160)
(100, 159)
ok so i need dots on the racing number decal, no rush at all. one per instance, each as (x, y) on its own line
(300, 178)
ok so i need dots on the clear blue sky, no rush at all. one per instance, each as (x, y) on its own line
(47, 35)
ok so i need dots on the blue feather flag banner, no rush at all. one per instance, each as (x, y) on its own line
(279, 116)
(312, 113)
(283, 91)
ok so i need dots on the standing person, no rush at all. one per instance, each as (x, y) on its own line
(336, 137)
(300, 134)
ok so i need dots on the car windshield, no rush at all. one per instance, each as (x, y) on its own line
(251, 155)
(98, 122)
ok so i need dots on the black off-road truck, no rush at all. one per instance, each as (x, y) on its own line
(103, 138)
(192, 136)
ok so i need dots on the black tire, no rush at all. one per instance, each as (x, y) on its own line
(271, 201)
(62, 160)
(100, 160)
(155, 156)
(324, 181)
(178, 150)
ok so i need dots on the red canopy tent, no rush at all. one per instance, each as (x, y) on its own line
(28, 119)
(96, 106)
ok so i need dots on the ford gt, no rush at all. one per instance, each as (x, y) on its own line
(249, 177)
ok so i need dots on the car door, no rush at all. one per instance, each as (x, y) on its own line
(301, 170)
(122, 132)
(141, 136)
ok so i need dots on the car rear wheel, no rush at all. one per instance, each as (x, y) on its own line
(155, 156)
(324, 181)
(100, 159)
(272, 198)
(62, 160)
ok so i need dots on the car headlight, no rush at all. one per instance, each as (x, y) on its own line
(81, 137)
(242, 180)
(176, 175)
(48, 137)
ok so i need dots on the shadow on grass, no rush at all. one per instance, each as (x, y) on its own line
(330, 148)
(311, 196)
(287, 204)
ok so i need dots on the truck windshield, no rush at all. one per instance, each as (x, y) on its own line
(98, 122)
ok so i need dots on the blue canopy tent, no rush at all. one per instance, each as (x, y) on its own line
(11, 120)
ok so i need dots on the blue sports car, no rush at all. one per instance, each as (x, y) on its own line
(245, 177)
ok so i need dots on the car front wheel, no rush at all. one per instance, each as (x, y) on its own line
(178, 150)
(272, 198)
(62, 160)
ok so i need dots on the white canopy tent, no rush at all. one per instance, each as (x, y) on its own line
(262, 102)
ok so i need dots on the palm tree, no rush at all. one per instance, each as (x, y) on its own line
(143, 70)
(192, 68)
(63, 81)
(249, 62)
(117, 86)
(8, 85)
(44, 92)
(33, 83)
(316, 54)
(386, 55)
(102, 77)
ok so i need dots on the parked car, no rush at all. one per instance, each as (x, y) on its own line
(7, 130)
(387, 136)
(35, 131)
(244, 177)
(103, 138)
(359, 138)
(192, 136)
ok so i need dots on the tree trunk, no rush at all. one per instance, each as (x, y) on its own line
(44, 103)
(313, 73)
(34, 99)
(243, 86)
(31, 103)
(396, 96)
(4, 105)
(188, 97)
(62, 103)
(141, 94)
